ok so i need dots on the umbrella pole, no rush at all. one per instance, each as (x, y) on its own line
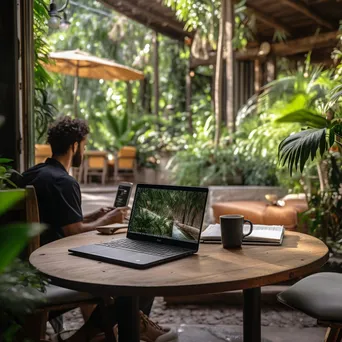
(76, 91)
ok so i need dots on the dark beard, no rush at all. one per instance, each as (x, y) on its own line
(77, 158)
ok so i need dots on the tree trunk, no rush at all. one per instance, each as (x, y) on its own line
(218, 74)
(129, 97)
(228, 46)
(188, 98)
(156, 72)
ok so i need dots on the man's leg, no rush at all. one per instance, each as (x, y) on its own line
(95, 326)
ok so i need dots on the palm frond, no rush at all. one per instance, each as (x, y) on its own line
(305, 117)
(114, 125)
(296, 149)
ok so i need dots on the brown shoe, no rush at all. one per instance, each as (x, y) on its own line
(152, 332)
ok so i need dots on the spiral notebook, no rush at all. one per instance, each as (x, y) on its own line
(261, 235)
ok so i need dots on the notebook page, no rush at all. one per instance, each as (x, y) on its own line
(264, 233)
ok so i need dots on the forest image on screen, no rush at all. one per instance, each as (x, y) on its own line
(175, 214)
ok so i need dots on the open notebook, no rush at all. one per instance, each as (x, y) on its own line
(261, 235)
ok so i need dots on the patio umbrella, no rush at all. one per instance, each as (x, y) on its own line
(81, 64)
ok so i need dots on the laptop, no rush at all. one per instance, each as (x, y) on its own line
(165, 224)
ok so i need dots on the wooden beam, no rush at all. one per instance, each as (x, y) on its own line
(269, 20)
(292, 47)
(165, 21)
(304, 9)
(156, 26)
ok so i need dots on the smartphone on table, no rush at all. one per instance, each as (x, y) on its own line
(123, 195)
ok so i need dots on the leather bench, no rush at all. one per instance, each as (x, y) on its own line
(264, 213)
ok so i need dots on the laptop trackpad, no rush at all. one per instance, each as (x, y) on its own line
(117, 255)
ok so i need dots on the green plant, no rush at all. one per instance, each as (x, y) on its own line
(5, 174)
(20, 285)
(123, 132)
(44, 111)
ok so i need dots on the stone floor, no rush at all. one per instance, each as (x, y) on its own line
(214, 322)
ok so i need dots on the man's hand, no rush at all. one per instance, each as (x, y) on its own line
(116, 215)
(97, 214)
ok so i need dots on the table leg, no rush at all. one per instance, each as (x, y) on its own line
(128, 319)
(251, 315)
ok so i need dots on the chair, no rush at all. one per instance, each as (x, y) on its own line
(56, 298)
(42, 152)
(95, 164)
(125, 161)
(319, 296)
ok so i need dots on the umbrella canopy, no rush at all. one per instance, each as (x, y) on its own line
(81, 64)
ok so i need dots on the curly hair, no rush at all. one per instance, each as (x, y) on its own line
(65, 132)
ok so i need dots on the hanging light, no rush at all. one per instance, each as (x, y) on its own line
(65, 23)
(55, 18)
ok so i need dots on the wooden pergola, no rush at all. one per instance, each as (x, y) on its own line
(308, 25)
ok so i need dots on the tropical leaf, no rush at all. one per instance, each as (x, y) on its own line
(305, 117)
(296, 149)
(9, 198)
(114, 125)
(5, 160)
(124, 123)
(13, 239)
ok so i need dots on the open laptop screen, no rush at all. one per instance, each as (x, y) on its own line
(168, 212)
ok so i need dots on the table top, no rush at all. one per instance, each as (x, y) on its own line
(212, 269)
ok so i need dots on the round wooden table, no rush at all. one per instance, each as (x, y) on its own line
(213, 269)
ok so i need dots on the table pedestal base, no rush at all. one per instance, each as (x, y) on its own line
(128, 319)
(252, 315)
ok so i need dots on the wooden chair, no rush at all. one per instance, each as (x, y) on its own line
(319, 296)
(95, 164)
(42, 152)
(126, 162)
(56, 298)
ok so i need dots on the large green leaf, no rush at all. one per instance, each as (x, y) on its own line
(5, 160)
(13, 239)
(114, 125)
(9, 198)
(305, 117)
(124, 123)
(296, 149)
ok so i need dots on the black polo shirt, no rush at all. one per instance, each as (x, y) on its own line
(59, 197)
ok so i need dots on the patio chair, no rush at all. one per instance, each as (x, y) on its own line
(95, 164)
(126, 162)
(319, 296)
(57, 299)
(42, 152)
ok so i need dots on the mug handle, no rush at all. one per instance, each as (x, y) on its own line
(250, 231)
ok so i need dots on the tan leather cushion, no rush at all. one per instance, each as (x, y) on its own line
(260, 212)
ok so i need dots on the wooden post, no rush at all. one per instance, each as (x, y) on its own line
(228, 44)
(188, 82)
(27, 86)
(257, 76)
(156, 73)
(271, 69)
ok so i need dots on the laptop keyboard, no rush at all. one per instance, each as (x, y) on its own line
(145, 247)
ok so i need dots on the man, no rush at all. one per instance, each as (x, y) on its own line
(59, 200)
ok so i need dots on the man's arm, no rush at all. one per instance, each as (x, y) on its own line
(115, 216)
(95, 215)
